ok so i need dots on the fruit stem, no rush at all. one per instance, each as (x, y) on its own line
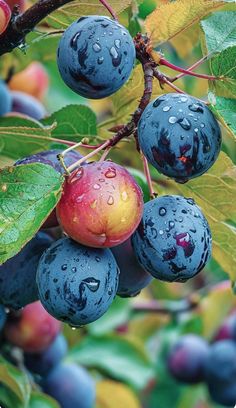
(168, 64)
(88, 156)
(70, 148)
(195, 65)
(148, 176)
(164, 80)
(109, 8)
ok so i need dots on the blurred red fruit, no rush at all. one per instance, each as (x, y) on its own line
(33, 80)
(33, 330)
(5, 15)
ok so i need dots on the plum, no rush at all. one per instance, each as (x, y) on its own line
(27, 105)
(5, 99)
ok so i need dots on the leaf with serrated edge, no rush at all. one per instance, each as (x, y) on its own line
(16, 380)
(170, 19)
(20, 137)
(224, 65)
(220, 31)
(28, 193)
(74, 122)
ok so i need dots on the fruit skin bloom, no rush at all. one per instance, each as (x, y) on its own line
(95, 56)
(101, 205)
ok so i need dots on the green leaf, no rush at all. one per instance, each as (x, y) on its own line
(28, 193)
(39, 400)
(16, 380)
(117, 314)
(220, 31)
(224, 65)
(225, 109)
(74, 122)
(118, 357)
(70, 12)
(20, 137)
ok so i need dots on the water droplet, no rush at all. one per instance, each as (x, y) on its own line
(109, 291)
(184, 123)
(190, 201)
(64, 267)
(97, 47)
(161, 232)
(196, 130)
(124, 195)
(93, 204)
(76, 175)
(101, 180)
(171, 224)
(194, 107)
(172, 119)
(110, 173)
(195, 119)
(92, 284)
(98, 259)
(202, 125)
(74, 269)
(113, 52)
(100, 60)
(79, 199)
(191, 114)
(180, 219)
(180, 110)
(110, 200)
(110, 33)
(162, 211)
(166, 108)
(117, 43)
(96, 186)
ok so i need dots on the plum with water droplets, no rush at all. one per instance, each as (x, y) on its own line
(101, 205)
(95, 56)
(179, 136)
(173, 240)
(77, 284)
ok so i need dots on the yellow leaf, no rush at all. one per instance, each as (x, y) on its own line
(111, 394)
(186, 41)
(215, 307)
(170, 19)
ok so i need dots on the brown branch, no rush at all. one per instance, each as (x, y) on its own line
(22, 24)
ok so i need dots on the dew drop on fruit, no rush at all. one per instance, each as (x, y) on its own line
(98, 259)
(171, 224)
(166, 108)
(100, 60)
(74, 269)
(110, 173)
(195, 108)
(110, 200)
(184, 123)
(172, 119)
(96, 186)
(97, 47)
(183, 99)
(202, 125)
(196, 130)
(92, 284)
(161, 232)
(117, 43)
(64, 267)
(124, 196)
(162, 211)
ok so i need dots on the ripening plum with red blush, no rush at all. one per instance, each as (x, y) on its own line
(32, 80)
(33, 330)
(5, 15)
(101, 205)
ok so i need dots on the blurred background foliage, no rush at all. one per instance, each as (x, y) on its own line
(125, 350)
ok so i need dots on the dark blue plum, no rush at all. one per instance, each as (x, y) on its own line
(50, 157)
(220, 365)
(132, 278)
(173, 240)
(5, 99)
(77, 284)
(42, 363)
(95, 56)
(179, 136)
(224, 394)
(18, 275)
(3, 316)
(187, 358)
(27, 105)
(71, 385)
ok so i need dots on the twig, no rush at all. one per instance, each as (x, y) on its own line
(88, 156)
(163, 61)
(109, 8)
(195, 65)
(148, 176)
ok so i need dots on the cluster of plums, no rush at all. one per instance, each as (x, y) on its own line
(44, 348)
(192, 359)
